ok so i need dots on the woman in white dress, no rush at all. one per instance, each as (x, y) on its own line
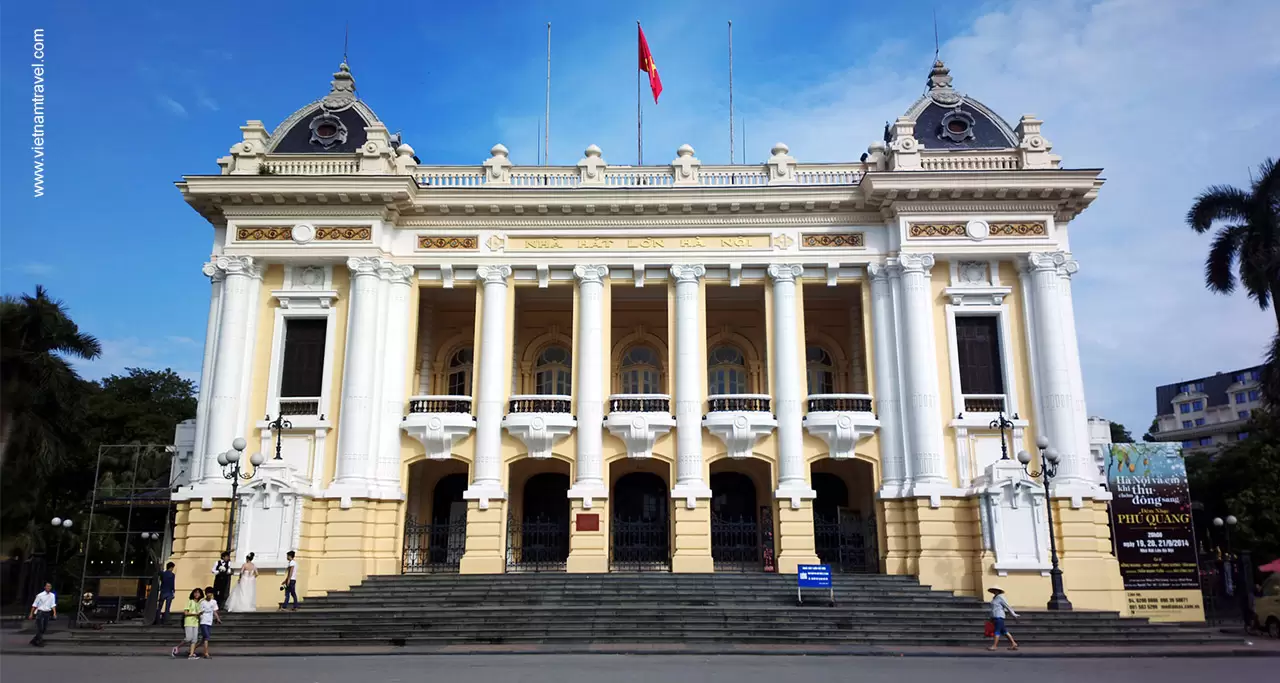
(244, 597)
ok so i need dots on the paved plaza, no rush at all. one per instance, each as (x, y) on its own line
(629, 669)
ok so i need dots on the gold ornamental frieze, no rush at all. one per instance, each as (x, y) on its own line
(832, 240)
(611, 243)
(432, 242)
(305, 234)
(344, 234)
(264, 234)
(996, 229)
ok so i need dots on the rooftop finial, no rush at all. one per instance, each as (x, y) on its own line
(939, 83)
(342, 92)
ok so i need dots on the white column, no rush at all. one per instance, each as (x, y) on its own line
(355, 413)
(395, 360)
(491, 394)
(888, 405)
(1081, 421)
(197, 463)
(690, 378)
(426, 352)
(788, 392)
(588, 363)
(924, 422)
(1056, 399)
(240, 273)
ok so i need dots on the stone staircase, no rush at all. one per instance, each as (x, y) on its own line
(600, 609)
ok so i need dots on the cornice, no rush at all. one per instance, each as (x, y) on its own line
(928, 207)
(248, 211)
(534, 222)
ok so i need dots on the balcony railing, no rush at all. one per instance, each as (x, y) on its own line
(852, 403)
(640, 403)
(725, 403)
(984, 403)
(300, 405)
(541, 403)
(439, 404)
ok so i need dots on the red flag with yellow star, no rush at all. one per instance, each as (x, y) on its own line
(647, 66)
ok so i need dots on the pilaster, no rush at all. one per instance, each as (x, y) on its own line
(588, 548)
(795, 536)
(691, 553)
(486, 533)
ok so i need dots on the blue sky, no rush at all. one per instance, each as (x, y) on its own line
(1168, 97)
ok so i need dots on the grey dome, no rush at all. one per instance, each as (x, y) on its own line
(946, 119)
(333, 124)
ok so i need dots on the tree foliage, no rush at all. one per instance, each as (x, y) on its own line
(1243, 479)
(1119, 434)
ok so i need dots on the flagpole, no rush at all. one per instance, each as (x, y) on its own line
(546, 143)
(639, 128)
(731, 154)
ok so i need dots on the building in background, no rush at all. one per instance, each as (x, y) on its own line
(1099, 439)
(1207, 413)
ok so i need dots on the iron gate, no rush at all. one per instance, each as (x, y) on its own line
(538, 544)
(639, 545)
(735, 544)
(846, 543)
(433, 547)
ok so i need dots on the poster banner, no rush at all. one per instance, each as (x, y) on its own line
(1153, 535)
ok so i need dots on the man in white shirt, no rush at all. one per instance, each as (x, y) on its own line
(290, 583)
(208, 614)
(46, 605)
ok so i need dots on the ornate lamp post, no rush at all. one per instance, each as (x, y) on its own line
(1226, 525)
(60, 524)
(1003, 424)
(231, 470)
(278, 425)
(1048, 470)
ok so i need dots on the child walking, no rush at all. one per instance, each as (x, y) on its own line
(190, 624)
(1000, 607)
(208, 615)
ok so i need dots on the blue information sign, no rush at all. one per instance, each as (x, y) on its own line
(813, 576)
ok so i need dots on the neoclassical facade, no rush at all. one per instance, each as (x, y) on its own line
(684, 367)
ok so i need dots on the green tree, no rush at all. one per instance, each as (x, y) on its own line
(1247, 243)
(1119, 434)
(1154, 428)
(39, 390)
(1243, 479)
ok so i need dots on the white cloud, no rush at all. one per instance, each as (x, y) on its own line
(36, 269)
(171, 105)
(204, 100)
(118, 354)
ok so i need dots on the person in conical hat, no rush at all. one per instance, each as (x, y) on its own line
(999, 609)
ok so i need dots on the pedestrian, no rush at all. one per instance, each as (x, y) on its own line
(167, 592)
(190, 624)
(45, 606)
(999, 608)
(290, 583)
(208, 615)
(222, 577)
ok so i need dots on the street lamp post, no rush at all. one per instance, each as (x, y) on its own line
(278, 425)
(59, 524)
(1003, 424)
(1048, 470)
(231, 470)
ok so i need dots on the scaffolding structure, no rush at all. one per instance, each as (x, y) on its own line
(129, 534)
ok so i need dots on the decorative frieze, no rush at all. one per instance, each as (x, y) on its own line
(433, 242)
(347, 234)
(286, 234)
(833, 240)
(978, 229)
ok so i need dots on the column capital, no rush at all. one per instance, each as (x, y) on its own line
(364, 265)
(395, 274)
(593, 274)
(223, 266)
(1058, 261)
(494, 275)
(785, 272)
(686, 272)
(881, 272)
(916, 263)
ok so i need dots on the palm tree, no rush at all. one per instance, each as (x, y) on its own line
(39, 390)
(1251, 237)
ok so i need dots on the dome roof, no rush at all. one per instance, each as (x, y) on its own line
(946, 119)
(333, 124)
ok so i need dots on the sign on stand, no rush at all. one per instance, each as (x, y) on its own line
(814, 576)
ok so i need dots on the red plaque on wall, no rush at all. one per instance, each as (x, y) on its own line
(589, 522)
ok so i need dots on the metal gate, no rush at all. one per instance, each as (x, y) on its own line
(537, 544)
(433, 547)
(639, 545)
(735, 544)
(847, 543)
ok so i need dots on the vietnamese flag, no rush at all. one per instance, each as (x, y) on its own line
(647, 66)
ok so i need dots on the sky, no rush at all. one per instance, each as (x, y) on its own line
(1168, 96)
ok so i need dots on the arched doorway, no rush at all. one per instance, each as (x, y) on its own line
(844, 523)
(736, 543)
(640, 538)
(538, 540)
(435, 525)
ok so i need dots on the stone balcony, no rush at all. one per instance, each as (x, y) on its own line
(540, 421)
(739, 420)
(842, 420)
(639, 419)
(439, 422)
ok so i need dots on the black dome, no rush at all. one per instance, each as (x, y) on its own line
(332, 125)
(945, 119)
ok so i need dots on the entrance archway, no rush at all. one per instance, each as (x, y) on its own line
(845, 535)
(538, 540)
(639, 534)
(435, 524)
(741, 540)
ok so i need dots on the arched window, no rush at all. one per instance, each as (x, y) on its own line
(821, 370)
(458, 377)
(552, 372)
(640, 373)
(727, 371)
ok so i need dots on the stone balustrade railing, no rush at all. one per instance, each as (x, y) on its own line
(439, 404)
(723, 403)
(855, 403)
(540, 403)
(968, 161)
(639, 403)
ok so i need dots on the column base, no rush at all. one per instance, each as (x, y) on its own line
(797, 493)
(486, 529)
(686, 496)
(692, 539)
(588, 549)
(795, 536)
(587, 493)
(483, 492)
